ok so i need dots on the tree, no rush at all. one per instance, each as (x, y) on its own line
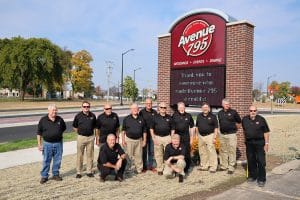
(81, 73)
(295, 90)
(30, 62)
(284, 89)
(130, 89)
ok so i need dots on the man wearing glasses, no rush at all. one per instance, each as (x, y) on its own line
(107, 123)
(161, 134)
(148, 114)
(84, 124)
(256, 132)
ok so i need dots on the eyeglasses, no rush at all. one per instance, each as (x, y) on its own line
(86, 106)
(107, 108)
(163, 107)
(252, 110)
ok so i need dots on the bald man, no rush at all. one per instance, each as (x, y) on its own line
(256, 132)
(134, 138)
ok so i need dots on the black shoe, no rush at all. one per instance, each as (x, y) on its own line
(180, 179)
(102, 180)
(212, 171)
(119, 178)
(230, 172)
(57, 178)
(221, 169)
(43, 180)
(78, 176)
(160, 173)
(90, 175)
(250, 180)
(261, 183)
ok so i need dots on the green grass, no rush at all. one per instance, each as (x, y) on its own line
(28, 143)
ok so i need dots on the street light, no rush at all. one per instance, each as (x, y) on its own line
(122, 75)
(134, 73)
(268, 80)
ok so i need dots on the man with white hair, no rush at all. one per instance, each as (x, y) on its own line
(134, 138)
(49, 138)
(230, 122)
(174, 158)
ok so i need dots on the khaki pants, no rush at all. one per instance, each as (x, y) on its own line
(227, 152)
(168, 171)
(159, 150)
(85, 142)
(134, 151)
(207, 152)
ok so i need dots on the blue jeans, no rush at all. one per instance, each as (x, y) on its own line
(51, 150)
(148, 154)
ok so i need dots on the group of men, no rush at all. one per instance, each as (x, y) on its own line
(154, 140)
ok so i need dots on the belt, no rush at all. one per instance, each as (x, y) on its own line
(205, 134)
(227, 133)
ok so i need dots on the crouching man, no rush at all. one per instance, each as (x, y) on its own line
(174, 158)
(112, 158)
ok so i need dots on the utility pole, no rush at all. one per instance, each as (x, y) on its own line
(108, 73)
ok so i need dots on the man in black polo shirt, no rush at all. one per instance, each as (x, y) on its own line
(230, 122)
(256, 132)
(174, 158)
(183, 125)
(161, 135)
(134, 138)
(84, 124)
(112, 158)
(207, 127)
(51, 128)
(107, 123)
(147, 114)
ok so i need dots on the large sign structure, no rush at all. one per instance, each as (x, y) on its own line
(206, 56)
(198, 59)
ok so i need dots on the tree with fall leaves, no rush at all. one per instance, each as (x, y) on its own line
(82, 73)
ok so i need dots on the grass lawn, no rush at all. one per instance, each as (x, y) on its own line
(28, 143)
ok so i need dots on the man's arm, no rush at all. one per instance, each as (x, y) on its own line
(266, 136)
(39, 141)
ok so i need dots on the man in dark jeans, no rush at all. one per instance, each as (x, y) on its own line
(148, 114)
(112, 158)
(49, 138)
(256, 132)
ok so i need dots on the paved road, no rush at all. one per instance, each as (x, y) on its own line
(15, 126)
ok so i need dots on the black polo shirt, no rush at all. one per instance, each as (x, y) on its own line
(171, 151)
(51, 131)
(134, 127)
(206, 124)
(85, 123)
(255, 129)
(228, 120)
(162, 125)
(182, 123)
(110, 155)
(148, 117)
(107, 124)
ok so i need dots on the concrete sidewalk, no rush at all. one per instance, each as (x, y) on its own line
(25, 156)
(283, 182)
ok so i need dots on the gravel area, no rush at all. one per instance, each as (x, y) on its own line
(22, 182)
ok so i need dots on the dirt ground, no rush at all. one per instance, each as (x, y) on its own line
(22, 182)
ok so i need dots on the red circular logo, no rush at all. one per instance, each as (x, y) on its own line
(196, 37)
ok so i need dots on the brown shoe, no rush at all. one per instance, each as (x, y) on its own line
(160, 173)
(57, 178)
(43, 180)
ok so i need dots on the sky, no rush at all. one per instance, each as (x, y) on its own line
(109, 28)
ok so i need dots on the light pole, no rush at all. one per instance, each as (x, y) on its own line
(268, 80)
(134, 73)
(122, 75)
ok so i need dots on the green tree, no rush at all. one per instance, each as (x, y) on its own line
(284, 89)
(130, 89)
(30, 62)
(82, 73)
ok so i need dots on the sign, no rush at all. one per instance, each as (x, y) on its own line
(197, 85)
(198, 40)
